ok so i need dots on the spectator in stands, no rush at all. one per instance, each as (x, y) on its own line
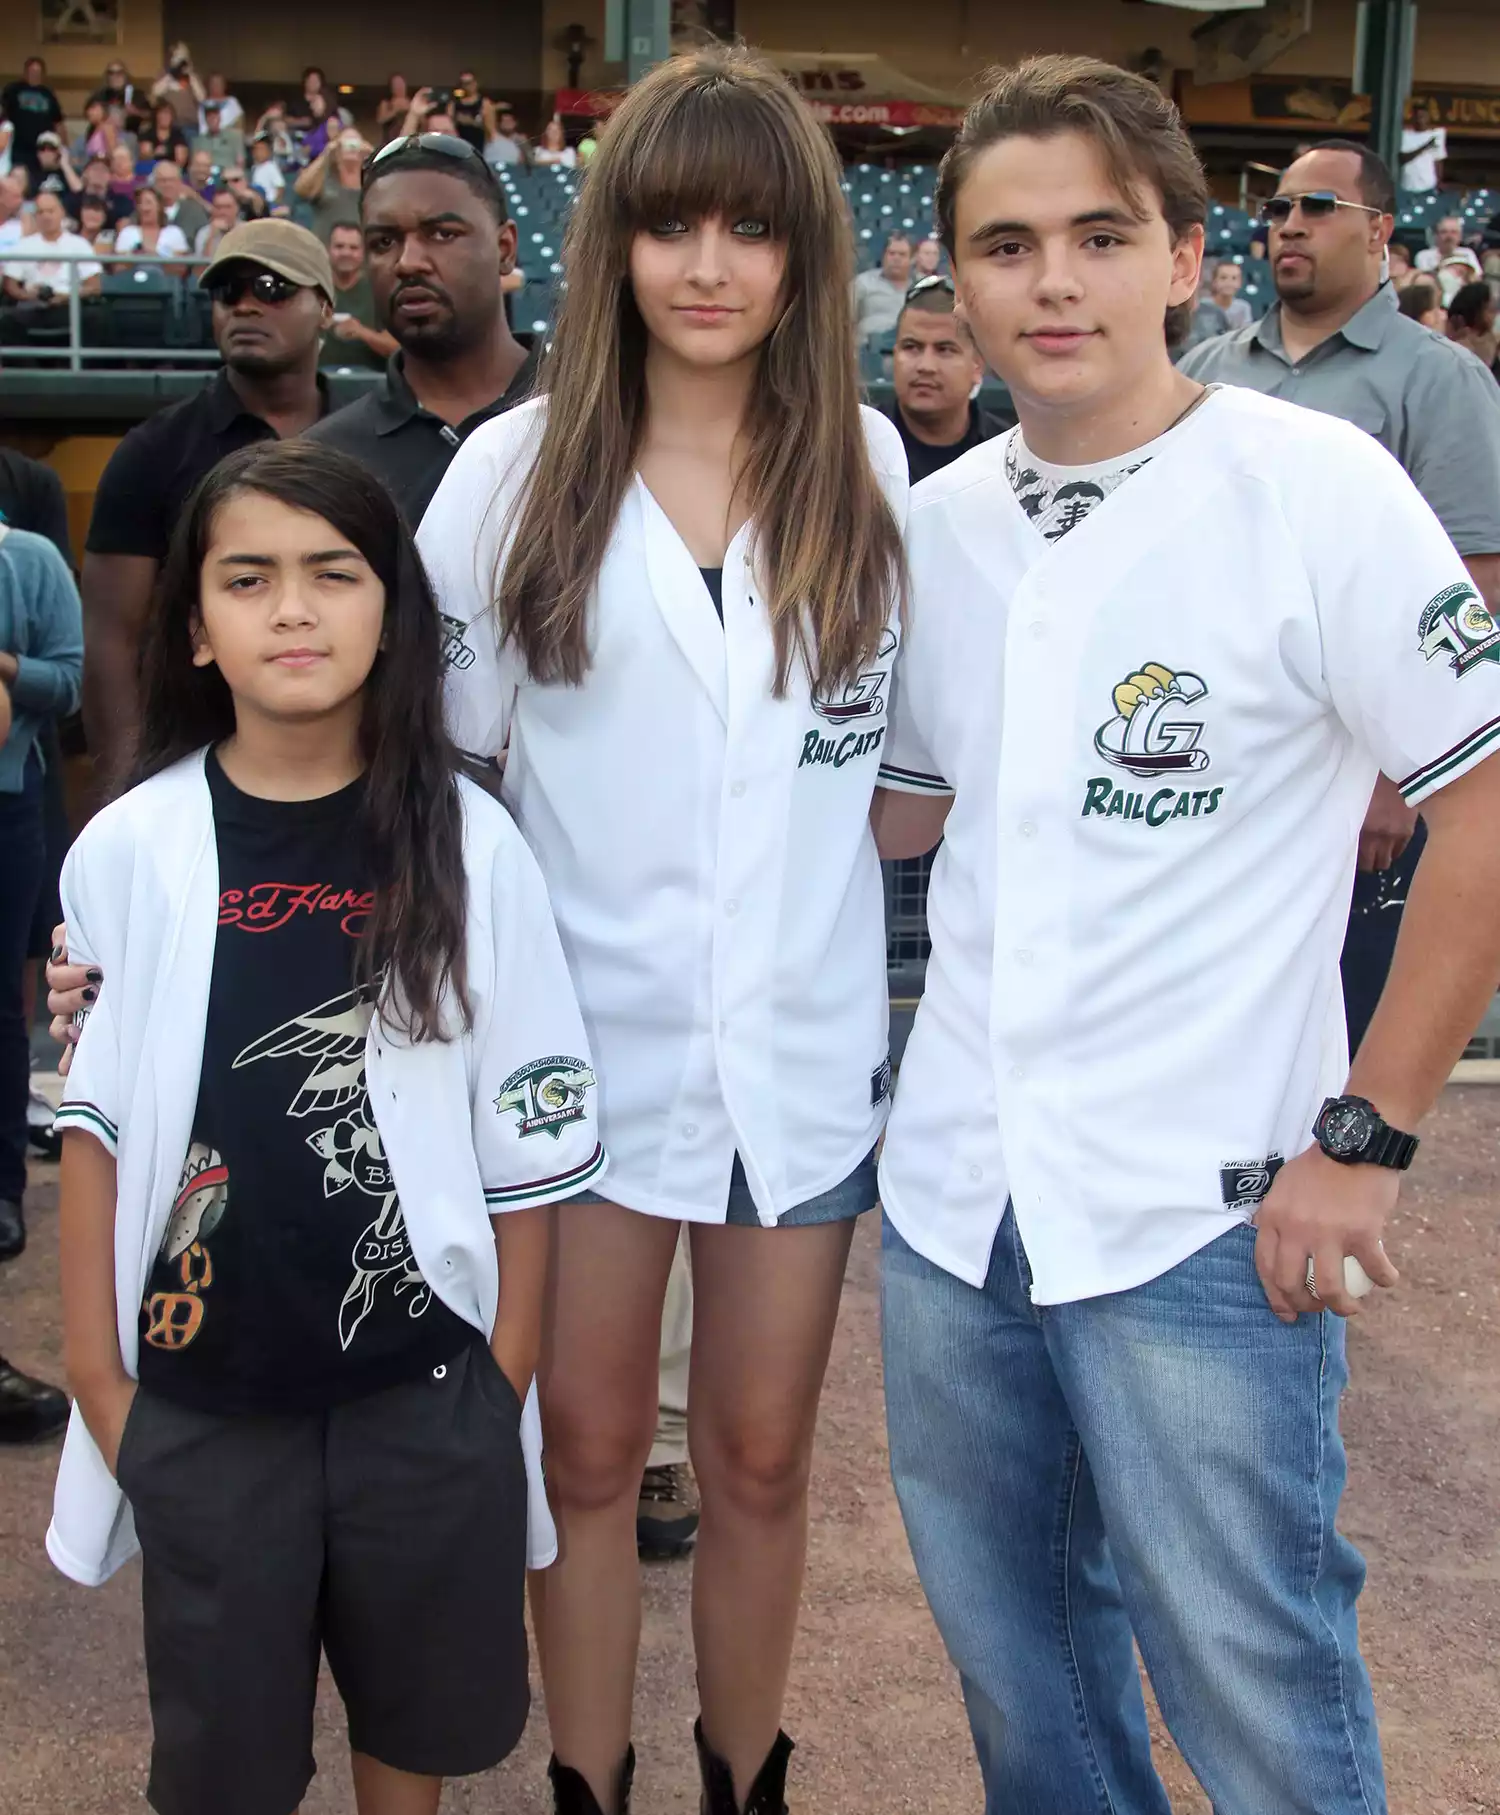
(231, 114)
(168, 136)
(391, 109)
(936, 372)
(223, 217)
(503, 142)
(273, 127)
(468, 109)
(14, 222)
(97, 187)
(553, 149)
(179, 206)
(1457, 269)
(149, 235)
(1336, 340)
(1471, 323)
(123, 181)
(200, 174)
(272, 291)
(94, 223)
(1398, 256)
(1224, 294)
(222, 144)
(252, 201)
(927, 258)
(356, 338)
(48, 272)
(41, 660)
(438, 246)
(1422, 301)
(301, 117)
(265, 172)
(127, 106)
(1423, 149)
(331, 183)
(880, 294)
(178, 86)
(32, 109)
(1448, 251)
(53, 169)
(319, 134)
(99, 134)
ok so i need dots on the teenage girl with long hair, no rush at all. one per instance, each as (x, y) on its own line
(331, 1082)
(681, 615)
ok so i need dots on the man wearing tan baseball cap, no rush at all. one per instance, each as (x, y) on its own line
(272, 291)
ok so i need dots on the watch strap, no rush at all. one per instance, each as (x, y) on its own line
(1390, 1147)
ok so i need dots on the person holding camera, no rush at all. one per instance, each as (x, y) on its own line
(180, 87)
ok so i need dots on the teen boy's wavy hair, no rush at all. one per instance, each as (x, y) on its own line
(1136, 130)
(413, 818)
(720, 132)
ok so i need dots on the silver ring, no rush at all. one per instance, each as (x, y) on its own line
(1312, 1280)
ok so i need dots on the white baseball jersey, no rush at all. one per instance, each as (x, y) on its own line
(706, 845)
(1132, 1012)
(499, 1118)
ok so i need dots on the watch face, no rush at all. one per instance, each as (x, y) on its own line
(1347, 1128)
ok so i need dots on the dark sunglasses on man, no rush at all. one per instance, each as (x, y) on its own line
(1316, 205)
(226, 287)
(443, 143)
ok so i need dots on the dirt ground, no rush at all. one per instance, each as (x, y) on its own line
(874, 1706)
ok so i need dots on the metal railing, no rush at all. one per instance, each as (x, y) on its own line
(75, 354)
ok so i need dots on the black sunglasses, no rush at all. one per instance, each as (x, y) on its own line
(934, 280)
(445, 144)
(1316, 205)
(227, 287)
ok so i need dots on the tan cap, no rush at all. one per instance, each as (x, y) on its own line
(280, 246)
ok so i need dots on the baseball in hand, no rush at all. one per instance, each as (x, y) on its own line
(1357, 1283)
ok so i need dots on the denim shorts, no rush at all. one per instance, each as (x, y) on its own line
(851, 1197)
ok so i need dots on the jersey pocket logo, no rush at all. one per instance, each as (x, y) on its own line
(863, 697)
(1150, 734)
(1458, 624)
(547, 1095)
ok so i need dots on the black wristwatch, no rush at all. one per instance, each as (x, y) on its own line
(1349, 1130)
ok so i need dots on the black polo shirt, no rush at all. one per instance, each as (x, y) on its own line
(405, 446)
(924, 459)
(153, 471)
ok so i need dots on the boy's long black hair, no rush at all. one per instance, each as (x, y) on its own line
(413, 817)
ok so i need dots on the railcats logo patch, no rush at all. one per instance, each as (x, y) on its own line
(1149, 734)
(1458, 624)
(547, 1095)
(863, 698)
(1153, 734)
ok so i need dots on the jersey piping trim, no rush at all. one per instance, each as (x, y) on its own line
(1443, 768)
(547, 1190)
(910, 781)
(91, 1119)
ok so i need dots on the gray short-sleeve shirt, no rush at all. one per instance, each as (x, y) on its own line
(1426, 400)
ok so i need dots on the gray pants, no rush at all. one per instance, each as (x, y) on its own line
(676, 1348)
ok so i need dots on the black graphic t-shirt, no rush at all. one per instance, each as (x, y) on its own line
(285, 1281)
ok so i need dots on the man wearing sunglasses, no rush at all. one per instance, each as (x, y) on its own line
(439, 246)
(936, 370)
(273, 296)
(1336, 341)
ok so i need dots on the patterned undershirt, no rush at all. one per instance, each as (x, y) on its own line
(1058, 498)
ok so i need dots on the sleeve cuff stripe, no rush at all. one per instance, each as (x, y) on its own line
(90, 1118)
(562, 1184)
(915, 779)
(1421, 780)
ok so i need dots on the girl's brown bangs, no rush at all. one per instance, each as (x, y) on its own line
(721, 151)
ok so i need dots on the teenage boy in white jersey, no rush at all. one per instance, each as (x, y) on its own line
(1115, 1275)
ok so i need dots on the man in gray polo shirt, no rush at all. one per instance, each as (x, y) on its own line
(1335, 341)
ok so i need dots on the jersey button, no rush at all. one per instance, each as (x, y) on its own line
(1023, 957)
(1028, 828)
(689, 1131)
(976, 1173)
(737, 792)
(1038, 630)
(1017, 1073)
(731, 907)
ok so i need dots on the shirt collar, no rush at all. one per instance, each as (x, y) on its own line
(225, 407)
(397, 402)
(1366, 328)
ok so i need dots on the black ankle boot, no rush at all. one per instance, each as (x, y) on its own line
(768, 1792)
(571, 1794)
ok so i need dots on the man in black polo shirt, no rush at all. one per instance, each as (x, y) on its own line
(935, 368)
(272, 291)
(438, 241)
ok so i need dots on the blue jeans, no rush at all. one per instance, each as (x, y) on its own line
(1162, 1463)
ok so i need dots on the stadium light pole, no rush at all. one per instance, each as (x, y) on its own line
(1385, 37)
(637, 33)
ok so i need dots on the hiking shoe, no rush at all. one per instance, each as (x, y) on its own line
(666, 1517)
